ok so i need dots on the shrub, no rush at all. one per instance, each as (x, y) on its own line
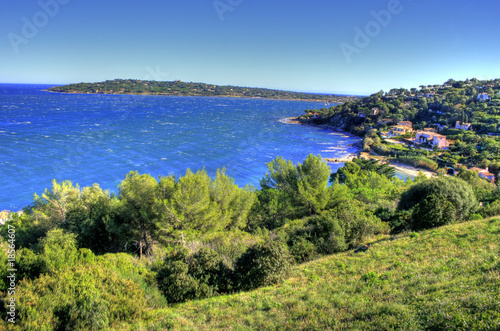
(491, 209)
(177, 285)
(263, 264)
(302, 250)
(438, 201)
(327, 234)
(83, 297)
(187, 276)
(475, 217)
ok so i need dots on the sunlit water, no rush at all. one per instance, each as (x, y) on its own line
(100, 138)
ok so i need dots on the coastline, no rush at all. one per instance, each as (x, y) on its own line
(194, 95)
(412, 171)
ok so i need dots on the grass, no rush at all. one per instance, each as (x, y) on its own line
(446, 278)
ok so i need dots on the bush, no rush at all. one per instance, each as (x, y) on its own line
(187, 276)
(491, 209)
(337, 230)
(82, 297)
(438, 201)
(475, 217)
(302, 250)
(262, 265)
(327, 234)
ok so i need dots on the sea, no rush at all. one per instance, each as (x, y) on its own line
(91, 138)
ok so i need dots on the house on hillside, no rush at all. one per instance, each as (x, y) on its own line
(400, 130)
(433, 138)
(375, 111)
(462, 126)
(483, 97)
(484, 173)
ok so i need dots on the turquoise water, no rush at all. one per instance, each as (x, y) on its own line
(100, 138)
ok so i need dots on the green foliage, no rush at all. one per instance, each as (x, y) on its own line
(64, 288)
(196, 204)
(312, 184)
(482, 188)
(438, 201)
(432, 212)
(138, 217)
(58, 250)
(92, 220)
(263, 264)
(302, 249)
(491, 209)
(199, 275)
(290, 192)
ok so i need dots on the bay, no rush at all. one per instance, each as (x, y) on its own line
(90, 139)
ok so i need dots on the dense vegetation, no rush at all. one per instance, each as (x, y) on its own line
(132, 86)
(89, 259)
(434, 106)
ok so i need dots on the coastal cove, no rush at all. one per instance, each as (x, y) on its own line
(90, 138)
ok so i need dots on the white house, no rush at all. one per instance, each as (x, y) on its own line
(462, 126)
(483, 97)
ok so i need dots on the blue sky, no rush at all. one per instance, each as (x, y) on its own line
(292, 45)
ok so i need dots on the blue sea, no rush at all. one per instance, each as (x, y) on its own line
(100, 138)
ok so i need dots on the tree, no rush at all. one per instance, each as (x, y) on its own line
(234, 203)
(54, 205)
(138, 216)
(312, 183)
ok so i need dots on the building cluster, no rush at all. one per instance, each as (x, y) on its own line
(429, 136)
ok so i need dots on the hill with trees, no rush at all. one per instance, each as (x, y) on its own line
(179, 88)
(466, 113)
(88, 259)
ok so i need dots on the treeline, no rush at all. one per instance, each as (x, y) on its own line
(131, 86)
(89, 259)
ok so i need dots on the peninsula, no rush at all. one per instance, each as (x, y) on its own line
(180, 88)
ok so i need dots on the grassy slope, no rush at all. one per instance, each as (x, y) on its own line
(443, 278)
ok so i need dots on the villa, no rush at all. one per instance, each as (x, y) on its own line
(435, 139)
(400, 130)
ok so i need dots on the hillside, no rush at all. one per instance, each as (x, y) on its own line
(466, 113)
(179, 88)
(445, 278)
(474, 101)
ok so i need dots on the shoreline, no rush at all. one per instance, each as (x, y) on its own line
(409, 170)
(207, 96)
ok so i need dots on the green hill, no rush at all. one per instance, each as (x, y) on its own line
(179, 88)
(445, 278)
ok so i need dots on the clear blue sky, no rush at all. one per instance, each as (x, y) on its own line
(284, 44)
